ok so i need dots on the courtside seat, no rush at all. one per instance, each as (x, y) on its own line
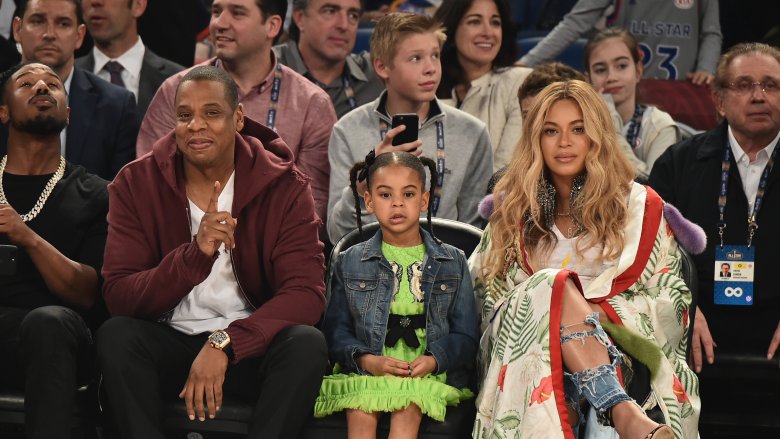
(85, 413)
(742, 397)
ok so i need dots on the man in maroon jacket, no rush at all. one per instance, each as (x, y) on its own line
(214, 270)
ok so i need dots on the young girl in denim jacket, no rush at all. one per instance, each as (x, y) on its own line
(401, 323)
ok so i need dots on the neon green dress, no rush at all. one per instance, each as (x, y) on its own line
(390, 393)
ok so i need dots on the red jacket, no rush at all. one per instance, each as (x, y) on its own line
(152, 262)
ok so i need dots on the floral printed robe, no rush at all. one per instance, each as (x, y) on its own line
(522, 392)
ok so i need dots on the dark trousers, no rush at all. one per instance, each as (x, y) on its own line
(47, 352)
(145, 363)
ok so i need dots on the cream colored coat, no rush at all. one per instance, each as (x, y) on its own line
(492, 99)
(522, 393)
(657, 133)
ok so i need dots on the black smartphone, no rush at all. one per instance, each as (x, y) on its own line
(8, 260)
(412, 123)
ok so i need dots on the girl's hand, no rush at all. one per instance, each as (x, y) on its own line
(423, 365)
(701, 77)
(381, 366)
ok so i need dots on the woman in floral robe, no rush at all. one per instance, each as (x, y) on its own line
(570, 235)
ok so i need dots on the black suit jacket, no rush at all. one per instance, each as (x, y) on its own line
(103, 125)
(154, 71)
(9, 56)
(687, 175)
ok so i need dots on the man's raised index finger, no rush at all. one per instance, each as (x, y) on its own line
(213, 202)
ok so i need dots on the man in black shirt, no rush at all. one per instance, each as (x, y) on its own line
(690, 175)
(54, 213)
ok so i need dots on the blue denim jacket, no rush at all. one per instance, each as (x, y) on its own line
(361, 292)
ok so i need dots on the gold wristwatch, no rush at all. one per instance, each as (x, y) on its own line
(219, 339)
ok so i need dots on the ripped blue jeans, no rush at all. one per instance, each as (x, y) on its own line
(599, 385)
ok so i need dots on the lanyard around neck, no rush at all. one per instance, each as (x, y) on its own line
(634, 125)
(275, 90)
(440, 156)
(345, 85)
(348, 92)
(722, 199)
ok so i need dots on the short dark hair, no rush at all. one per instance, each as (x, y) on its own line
(293, 30)
(272, 7)
(299, 5)
(449, 14)
(269, 8)
(21, 9)
(544, 75)
(214, 74)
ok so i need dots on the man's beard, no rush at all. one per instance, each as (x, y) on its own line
(41, 125)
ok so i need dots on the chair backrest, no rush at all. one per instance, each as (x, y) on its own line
(461, 235)
(685, 102)
(363, 39)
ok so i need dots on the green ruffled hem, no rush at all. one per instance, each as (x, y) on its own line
(387, 394)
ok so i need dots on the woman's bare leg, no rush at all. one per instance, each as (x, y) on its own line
(583, 352)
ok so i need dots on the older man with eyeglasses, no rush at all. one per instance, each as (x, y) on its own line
(725, 181)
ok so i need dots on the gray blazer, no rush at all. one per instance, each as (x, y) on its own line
(154, 70)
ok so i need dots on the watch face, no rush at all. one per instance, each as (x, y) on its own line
(219, 338)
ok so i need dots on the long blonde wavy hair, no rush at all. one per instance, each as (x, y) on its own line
(602, 206)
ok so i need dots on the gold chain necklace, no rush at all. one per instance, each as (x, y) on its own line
(44, 195)
(572, 230)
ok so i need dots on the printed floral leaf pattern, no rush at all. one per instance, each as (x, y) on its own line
(509, 422)
(542, 331)
(675, 416)
(517, 401)
(645, 324)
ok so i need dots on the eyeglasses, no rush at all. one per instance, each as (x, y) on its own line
(746, 87)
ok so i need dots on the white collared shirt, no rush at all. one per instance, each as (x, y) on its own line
(131, 61)
(64, 132)
(217, 301)
(750, 172)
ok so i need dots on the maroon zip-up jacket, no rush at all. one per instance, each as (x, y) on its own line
(152, 261)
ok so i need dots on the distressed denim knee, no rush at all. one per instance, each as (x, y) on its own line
(598, 385)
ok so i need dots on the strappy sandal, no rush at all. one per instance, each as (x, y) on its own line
(663, 431)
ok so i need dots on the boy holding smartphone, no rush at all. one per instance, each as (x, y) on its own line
(405, 51)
